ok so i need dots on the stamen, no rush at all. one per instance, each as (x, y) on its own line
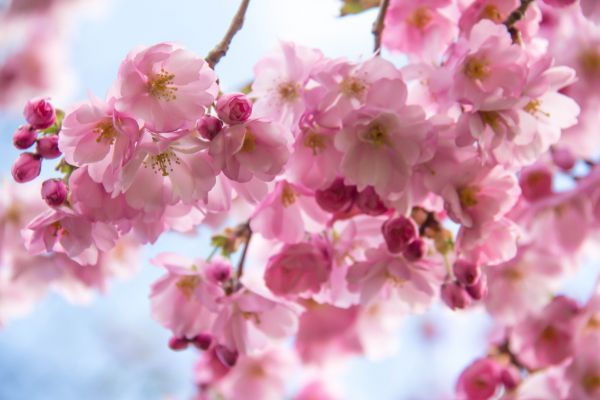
(160, 86)
(476, 68)
(288, 196)
(316, 141)
(163, 162)
(105, 132)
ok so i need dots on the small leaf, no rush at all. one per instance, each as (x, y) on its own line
(55, 128)
(357, 6)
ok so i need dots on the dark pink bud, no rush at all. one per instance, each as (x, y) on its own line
(209, 126)
(510, 377)
(479, 380)
(415, 250)
(398, 233)
(479, 290)
(234, 108)
(559, 3)
(26, 168)
(455, 296)
(54, 192)
(337, 197)
(219, 271)
(226, 356)
(202, 341)
(466, 272)
(369, 202)
(563, 158)
(39, 113)
(178, 343)
(47, 147)
(535, 182)
(24, 137)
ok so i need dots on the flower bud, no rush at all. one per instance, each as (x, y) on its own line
(24, 137)
(226, 356)
(26, 168)
(178, 343)
(479, 380)
(478, 290)
(398, 233)
(202, 341)
(535, 182)
(467, 273)
(338, 197)
(47, 147)
(219, 271)
(54, 192)
(559, 3)
(455, 296)
(39, 113)
(369, 202)
(510, 377)
(209, 127)
(415, 250)
(234, 108)
(563, 158)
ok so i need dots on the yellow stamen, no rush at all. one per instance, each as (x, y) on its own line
(288, 91)
(476, 68)
(352, 87)
(420, 18)
(188, 285)
(316, 141)
(492, 13)
(468, 196)
(105, 132)
(160, 86)
(163, 162)
(288, 196)
(249, 143)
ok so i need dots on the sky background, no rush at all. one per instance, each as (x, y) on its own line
(112, 349)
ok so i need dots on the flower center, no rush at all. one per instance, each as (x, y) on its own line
(288, 91)
(188, 285)
(533, 108)
(161, 86)
(288, 196)
(476, 68)
(352, 87)
(468, 196)
(56, 229)
(490, 118)
(591, 382)
(376, 135)
(163, 162)
(315, 141)
(105, 132)
(549, 334)
(249, 143)
(492, 13)
(420, 18)
(590, 62)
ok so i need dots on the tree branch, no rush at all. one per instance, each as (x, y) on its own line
(379, 24)
(240, 268)
(515, 17)
(220, 49)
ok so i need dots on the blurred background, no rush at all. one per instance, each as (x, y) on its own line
(111, 348)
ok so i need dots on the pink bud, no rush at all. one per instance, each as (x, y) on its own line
(39, 113)
(47, 147)
(466, 272)
(234, 108)
(338, 197)
(563, 158)
(202, 341)
(398, 233)
(24, 137)
(415, 250)
(226, 356)
(369, 202)
(559, 3)
(54, 192)
(535, 182)
(479, 380)
(178, 343)
(478, 290)
(510, 377)
(455, 296)
(26, 168)
(209, 126)
(219, 271)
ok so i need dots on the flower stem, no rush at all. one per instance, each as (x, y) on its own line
(221, 48)
(514, 17)
(240, 267)
(379, 24)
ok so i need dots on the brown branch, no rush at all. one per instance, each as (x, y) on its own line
(515, 17)
(220, 49)
(379, 24)
(240, 267)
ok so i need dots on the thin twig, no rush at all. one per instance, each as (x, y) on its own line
(515, 17)
(240, 268)
(220, 49)
(379, 24)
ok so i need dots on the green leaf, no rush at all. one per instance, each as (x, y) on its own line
(357, 6)
(55, 128)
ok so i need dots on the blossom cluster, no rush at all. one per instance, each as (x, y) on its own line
(365, 192)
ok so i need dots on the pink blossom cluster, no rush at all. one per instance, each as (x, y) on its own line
(364, 191)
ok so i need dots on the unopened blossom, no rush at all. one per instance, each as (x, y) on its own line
(234, 108)
(26, 168)
(398, 233)
(455, 296)
(337, 197)
(39, 113)
(24, 137)
(47, 147)
(165, 86)
(479, 380)
(54, 192)
(209, 126)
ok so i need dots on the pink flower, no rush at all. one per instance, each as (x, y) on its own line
(299, 268)
(492, 242)
(591, 9)
(209, 126)
(255, 148)
(39, 113)
(165, 86)
(583, 373)
(398, 233)
(479, 380)
(419, 29)
(234, 108)
(248, 321)
(185, 300)
(455, 296)
(54, 192)
(26, 168)
(338, 197)
(535, 182)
